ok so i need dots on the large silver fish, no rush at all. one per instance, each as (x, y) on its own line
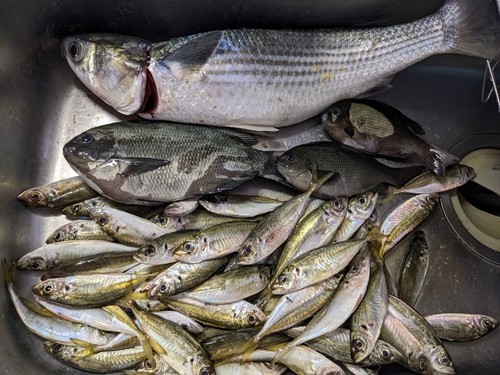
(263, 79)
(148, 163)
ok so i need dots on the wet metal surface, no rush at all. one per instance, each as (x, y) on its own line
(43, 105)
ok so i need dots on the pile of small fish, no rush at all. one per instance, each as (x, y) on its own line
(242, 284)
(192, 252)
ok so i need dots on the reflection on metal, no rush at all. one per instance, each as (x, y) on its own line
(489, 74)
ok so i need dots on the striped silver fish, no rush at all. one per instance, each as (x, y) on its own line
(264, 79)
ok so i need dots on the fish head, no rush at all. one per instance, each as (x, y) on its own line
(427, 201)
(150, 252)
(101, 217)
(35, 262)
(292, 164)
(214, 202)
(198, 365)
(385, 353)
(483, 324)
(336, 208)
(113, 67)
(362, 205)
(287, 281)
(172, 223)
(249, 251)
(440, 360)
(64, 353)
(52, 289)
(360, 346)
(336, 120)
(160, 366)
(36, 197)
(90, 149)
(63, 233)
(248, 315)
(160, 288)
(465, 173)
(188, 249)
(418, 362)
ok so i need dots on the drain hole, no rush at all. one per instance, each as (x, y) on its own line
(480, 197)
(477, 203)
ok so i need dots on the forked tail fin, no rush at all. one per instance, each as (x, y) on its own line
(471, 27)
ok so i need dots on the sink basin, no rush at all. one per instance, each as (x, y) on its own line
(43, 105)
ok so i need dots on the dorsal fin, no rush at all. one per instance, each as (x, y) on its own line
(189, 59)
(244, 138)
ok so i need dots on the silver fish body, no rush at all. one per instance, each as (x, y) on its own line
(461, 327)
(222, 77)
(79, 230)
(57, 194)
(157, 162)
(59, 253)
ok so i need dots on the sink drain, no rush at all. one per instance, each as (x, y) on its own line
(477, 225)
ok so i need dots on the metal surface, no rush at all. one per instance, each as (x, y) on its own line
(43, 105)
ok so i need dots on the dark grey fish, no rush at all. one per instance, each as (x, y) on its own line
(147, 163)
(377, 128)
(414, 269)
(355, 171)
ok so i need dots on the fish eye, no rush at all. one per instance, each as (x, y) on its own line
(204, 371)
(76, 208)
(354, 269)
(148, 365)
(150, 250)
(75, 50)
(102, 220)
(163, 288)
(87, 139)
(337, 111)
(487, 324)
(422, 365)
(289, 157)
(48, 289)
(35, 265)
(162, 220)
(56, 348)
(337, 204)
(189, 247)
(358, 344)
(58, 236)
(385, 353)
(282, 279)
(248, 250)
(362, 200)
(445, 361)
(35, 196)
(337, 275)
(251, 319)
(214, 199)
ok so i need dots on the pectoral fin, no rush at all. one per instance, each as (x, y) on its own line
(135, 166)
(189, 59)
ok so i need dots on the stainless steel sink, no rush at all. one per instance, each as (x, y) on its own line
(43, 105)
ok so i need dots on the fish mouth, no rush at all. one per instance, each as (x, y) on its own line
(150, 101)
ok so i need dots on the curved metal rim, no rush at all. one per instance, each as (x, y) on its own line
(460, 149)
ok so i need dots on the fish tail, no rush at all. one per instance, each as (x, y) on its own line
(471, 27)
(438, 160)
(388, 196)
(279, 355)
(248, 348)
(89, 349)
(316, 182)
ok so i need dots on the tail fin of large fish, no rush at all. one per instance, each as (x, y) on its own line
(438, 160)
(472, 27)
